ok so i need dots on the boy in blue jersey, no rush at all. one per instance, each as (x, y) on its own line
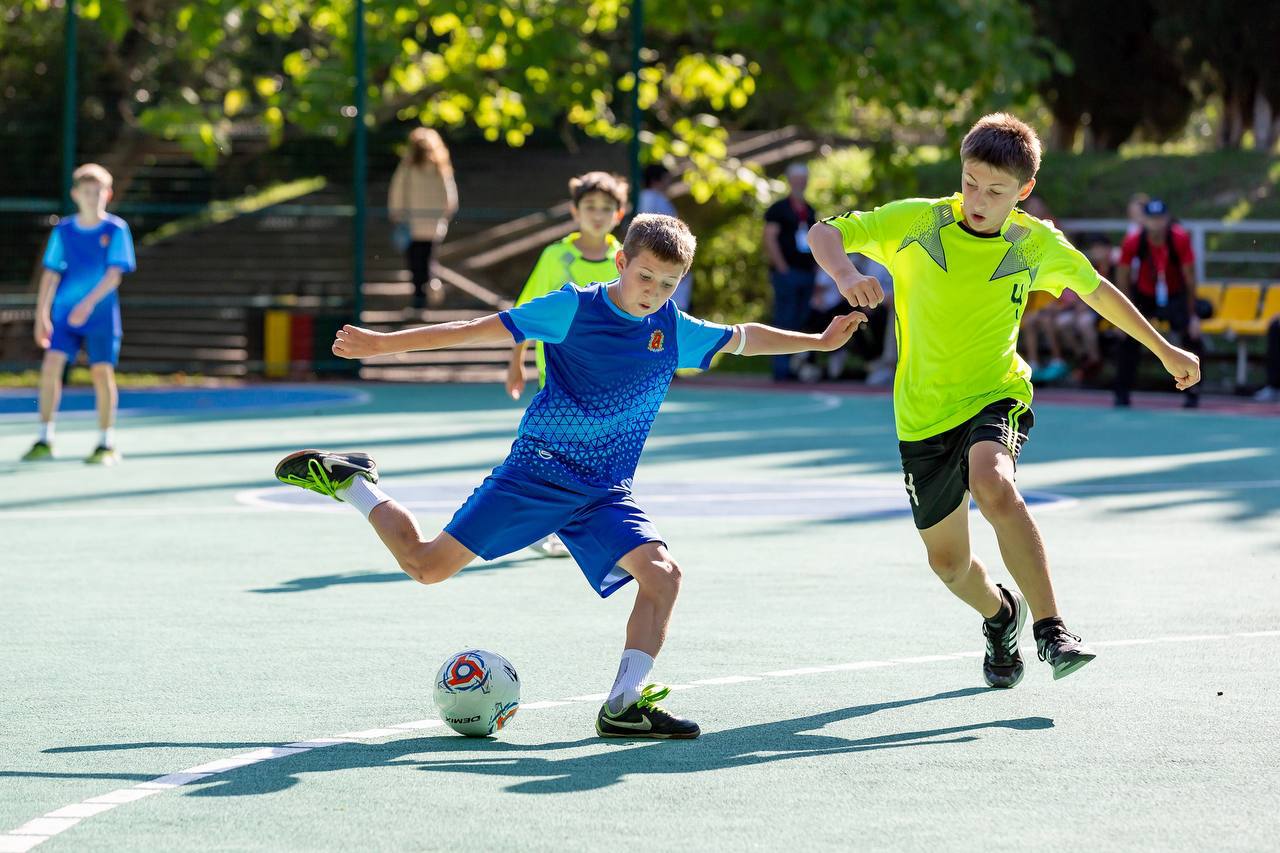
(77, 307)
(611, 351)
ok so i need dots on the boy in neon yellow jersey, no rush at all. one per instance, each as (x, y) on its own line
(598, 203)
(962, 267)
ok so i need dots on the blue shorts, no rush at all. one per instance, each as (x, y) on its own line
(100, 339)
(509, 512)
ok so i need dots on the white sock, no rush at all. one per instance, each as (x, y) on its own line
(46, 432)
(363, 495)
(632, 672)
(108, 437)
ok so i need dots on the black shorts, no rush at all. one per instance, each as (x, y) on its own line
(937, 468)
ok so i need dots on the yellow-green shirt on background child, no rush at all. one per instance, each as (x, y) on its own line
(562, 263)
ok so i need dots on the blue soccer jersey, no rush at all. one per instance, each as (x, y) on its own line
(81, 257)
(607, 374)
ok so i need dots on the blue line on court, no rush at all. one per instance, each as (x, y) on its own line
(178, 401)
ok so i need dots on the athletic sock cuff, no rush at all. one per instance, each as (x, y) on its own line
(362, 495)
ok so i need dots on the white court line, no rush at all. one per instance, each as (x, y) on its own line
(41, 829)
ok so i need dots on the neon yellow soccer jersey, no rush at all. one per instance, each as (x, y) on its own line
(958, 301)
(562, 263)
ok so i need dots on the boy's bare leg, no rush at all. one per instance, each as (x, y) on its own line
(51, 383)
(106, 396)
(658, 577)
(991, 471)
(953, 561)
(631, 710)
(425, 561)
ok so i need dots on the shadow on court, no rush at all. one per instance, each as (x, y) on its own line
(310, 584)
(608, 765)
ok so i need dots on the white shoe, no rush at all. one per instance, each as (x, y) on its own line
(1267, 394)
(550, 547)
(880, 377)
(809, 372)
(835, 363)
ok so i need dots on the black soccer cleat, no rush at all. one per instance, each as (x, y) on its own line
(1062, 650)
(1002, 665)
(324, 472)
(644, 718)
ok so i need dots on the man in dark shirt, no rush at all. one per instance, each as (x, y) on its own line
(791, 264)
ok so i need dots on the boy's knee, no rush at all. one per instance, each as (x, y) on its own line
(948, 565)
(422, 568)
(662, 577)
(995, 494)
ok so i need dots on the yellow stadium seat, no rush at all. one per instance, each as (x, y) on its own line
(1239, 304)
(1211, 293)
(1270, 311)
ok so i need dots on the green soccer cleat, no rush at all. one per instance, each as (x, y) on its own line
(645, 718)
(39, 450)
(323, 472)
(103, 456)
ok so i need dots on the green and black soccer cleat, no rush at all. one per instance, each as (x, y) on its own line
(645, 718)
(1062, 650)
(103, 455)
(40, 450)
(324, 472)
(1002, 665)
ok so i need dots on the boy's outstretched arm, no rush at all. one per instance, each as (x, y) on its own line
(861, 291)
(355, 342)
(1114, 307)
(759, 339)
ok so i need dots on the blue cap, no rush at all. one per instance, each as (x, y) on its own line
(1155, 207)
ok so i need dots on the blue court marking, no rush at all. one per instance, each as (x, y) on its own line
(813, 499)
(22, 403)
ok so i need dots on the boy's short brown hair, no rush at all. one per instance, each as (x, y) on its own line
(91, 172)
(666, 238)
(599, 182)
(1004, 142)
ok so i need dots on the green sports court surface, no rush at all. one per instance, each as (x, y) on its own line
(193, 658)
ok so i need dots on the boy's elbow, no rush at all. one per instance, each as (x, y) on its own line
(822, 232)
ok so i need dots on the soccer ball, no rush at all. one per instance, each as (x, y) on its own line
(477, 692)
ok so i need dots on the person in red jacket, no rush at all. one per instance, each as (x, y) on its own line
(1157, 272)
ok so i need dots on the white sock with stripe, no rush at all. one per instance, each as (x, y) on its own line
(363, 495)
(632, 672)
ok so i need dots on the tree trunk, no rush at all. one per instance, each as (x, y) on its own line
(1062, 136)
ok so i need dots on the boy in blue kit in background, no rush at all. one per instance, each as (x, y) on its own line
(611, 351)
(77, 307)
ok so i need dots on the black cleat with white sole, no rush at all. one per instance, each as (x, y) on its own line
(645, 718)
(323, 472)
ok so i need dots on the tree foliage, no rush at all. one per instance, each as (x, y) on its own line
(211, 74)
(1144, 66)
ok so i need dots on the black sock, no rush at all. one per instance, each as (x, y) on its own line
(1005, 614)
(1044, 626)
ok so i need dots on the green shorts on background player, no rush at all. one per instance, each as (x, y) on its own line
(963, 267)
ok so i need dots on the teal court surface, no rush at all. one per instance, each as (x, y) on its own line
(195, 658)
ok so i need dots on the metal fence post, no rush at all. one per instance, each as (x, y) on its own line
(637, 44)
(69, 105)
(360, 167)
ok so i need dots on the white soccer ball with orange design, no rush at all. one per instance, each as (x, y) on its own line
(477, 692)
